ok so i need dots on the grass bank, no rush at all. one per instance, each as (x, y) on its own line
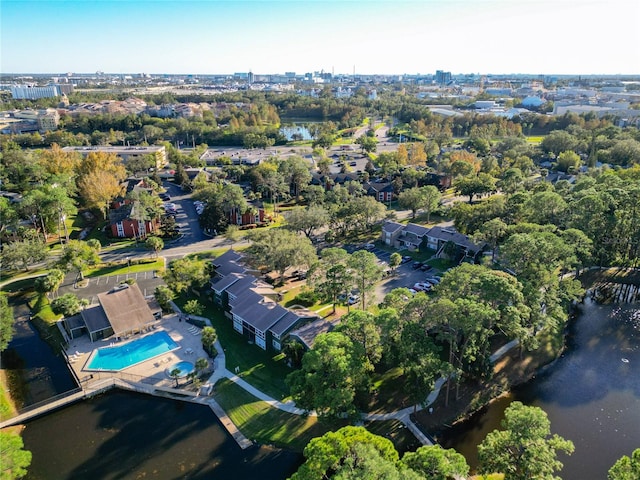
(264, 424)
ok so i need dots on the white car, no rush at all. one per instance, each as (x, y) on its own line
(353, 299)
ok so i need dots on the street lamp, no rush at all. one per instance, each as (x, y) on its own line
(128, 267)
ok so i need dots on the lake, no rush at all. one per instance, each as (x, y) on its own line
(591, 394)
(124, 435)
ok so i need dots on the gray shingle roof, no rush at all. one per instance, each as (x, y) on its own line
(126, 309)
(285, 323)
(449, 234)
(416, 229)
(392, 227)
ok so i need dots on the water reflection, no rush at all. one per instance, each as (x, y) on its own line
(123, 435)
(591, 394)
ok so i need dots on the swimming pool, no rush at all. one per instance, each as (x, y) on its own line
(123, 356)
(185, 368)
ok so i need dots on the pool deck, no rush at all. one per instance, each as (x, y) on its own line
(150, 374)
(152, 370)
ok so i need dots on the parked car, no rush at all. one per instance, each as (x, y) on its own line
(416, 265)
(353, 299)
(422, 286)
(368, 246)
(165, 197)
(406, 259)
(433, 280)
(425, 268)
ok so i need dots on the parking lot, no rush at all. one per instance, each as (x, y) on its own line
(405, 276)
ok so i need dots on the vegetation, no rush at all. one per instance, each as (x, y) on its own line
(525, 448)
(626, 468)
(14, 460)
(6, 322)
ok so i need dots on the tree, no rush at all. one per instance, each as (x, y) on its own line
(307, 220)
(568, 161)
(209, 338)
(626, 468)
(366, 272)
(278, 249)
(233, 233)
(432, 197)
(525, 449)
(175, 374)
(99, 177)
(360, 327)
(412, 199)
(68, 305)
(327, 454)
(436, 463)
(78, 255)
(332, 373)
(330, 276)
(295, 170)
(164, 295)
(492, 232)
(201, 365)
(23, 253)
(154, 243)
(50, 282)
(475, 185)
(395, 260)
(186, 273)
(193, 307)
(367, 144)
(6, 322)
(14, 460)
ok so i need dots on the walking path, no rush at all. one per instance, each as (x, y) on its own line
(404, 415)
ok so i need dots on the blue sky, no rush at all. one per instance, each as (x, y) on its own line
(271, 36)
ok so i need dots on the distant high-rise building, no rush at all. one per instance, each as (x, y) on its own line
(27, 92)
(442, 77)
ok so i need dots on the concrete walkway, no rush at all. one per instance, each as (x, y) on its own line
(404, 415)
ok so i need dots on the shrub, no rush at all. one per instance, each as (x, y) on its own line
(306, 298)
(193, 307)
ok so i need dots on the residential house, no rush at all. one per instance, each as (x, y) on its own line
(250, 303)
(332, 179)
(383, 192)
(390, 232)
(123, 223)
(438, 237)
(413, 236)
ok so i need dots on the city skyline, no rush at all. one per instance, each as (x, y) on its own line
(561, 37)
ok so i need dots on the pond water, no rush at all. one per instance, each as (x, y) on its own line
(124, 435)
(44, 374)
(291, 131)
(591, 394)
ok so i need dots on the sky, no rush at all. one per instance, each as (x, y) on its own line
(339, 36)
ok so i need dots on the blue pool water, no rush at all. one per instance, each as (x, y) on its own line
(185, 369)
(128, 354)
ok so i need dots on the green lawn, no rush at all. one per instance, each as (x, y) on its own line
(394, 430)
(386, 392)
(262, 423)
(121, 268)
(6, 407)
(45, 320)
(265, 370)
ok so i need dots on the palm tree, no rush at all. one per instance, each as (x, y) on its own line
(175, 374)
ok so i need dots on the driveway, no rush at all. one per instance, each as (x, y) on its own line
(147, 282)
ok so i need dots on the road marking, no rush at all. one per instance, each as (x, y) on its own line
(108, 278)
(98, 281)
